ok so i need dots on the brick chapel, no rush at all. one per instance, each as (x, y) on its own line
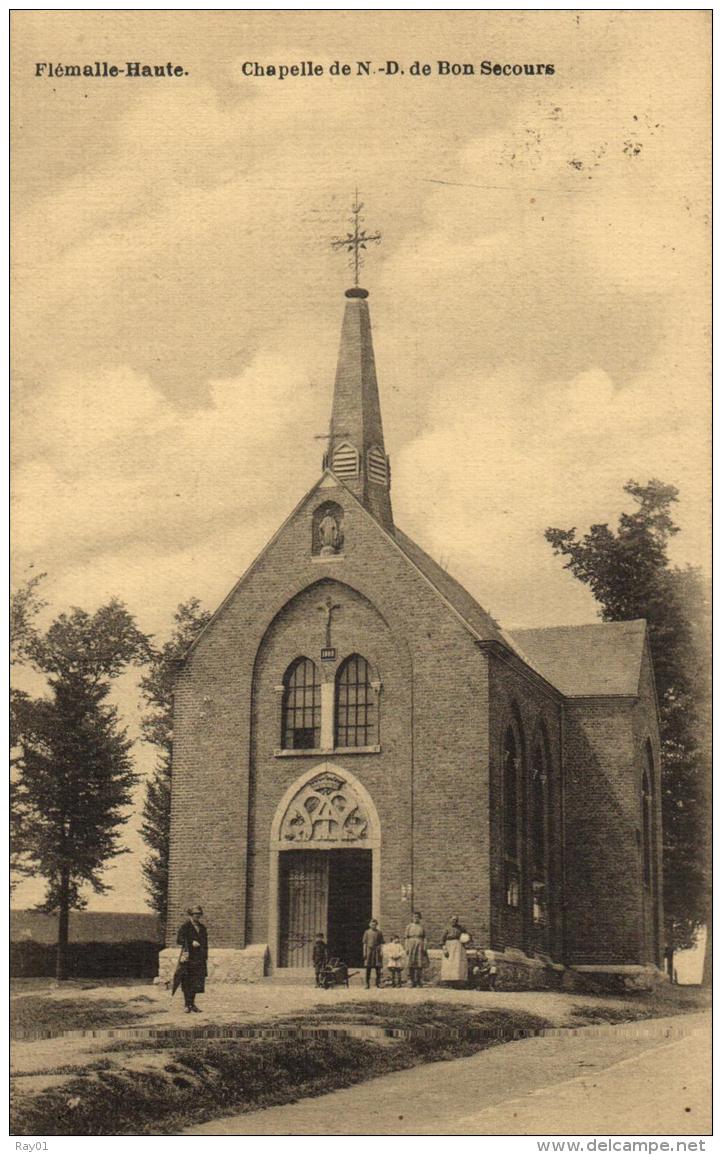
(355, 736)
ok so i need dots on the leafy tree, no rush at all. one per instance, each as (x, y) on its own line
(157, 728)
(629, 573)
(25, 605)
(73, 773)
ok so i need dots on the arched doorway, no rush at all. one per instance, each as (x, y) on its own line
(325, 867)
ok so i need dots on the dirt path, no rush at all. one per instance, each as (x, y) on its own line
(649, 1078)
(248, 1003)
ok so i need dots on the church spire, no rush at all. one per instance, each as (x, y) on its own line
(356, 452)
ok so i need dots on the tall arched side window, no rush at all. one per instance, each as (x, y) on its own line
(357, 720)
(539, 830)
(511, 765)
(650, 849)
(647, 829)
(301, 712)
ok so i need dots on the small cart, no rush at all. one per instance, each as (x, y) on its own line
(334, 974)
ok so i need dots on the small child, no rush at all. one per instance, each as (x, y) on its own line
(395, 958)
(320, 957)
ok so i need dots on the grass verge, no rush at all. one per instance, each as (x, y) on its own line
(163, 1087)
(663, 1001)
(33, 1014)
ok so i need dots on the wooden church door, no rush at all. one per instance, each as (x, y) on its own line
(326, 892)
(304, 904)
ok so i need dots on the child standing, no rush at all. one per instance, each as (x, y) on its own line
(320, 957)
(416, 948)
(394, 959)
(373, 940)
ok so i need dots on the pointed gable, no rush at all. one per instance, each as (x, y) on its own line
(476, 617)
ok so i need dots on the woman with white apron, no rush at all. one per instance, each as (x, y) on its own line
(454, 965)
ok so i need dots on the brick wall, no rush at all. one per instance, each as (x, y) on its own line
(357, 628)
(429, 783)
(646, 731)
(445, 703)
(603, 867)
(518, 693)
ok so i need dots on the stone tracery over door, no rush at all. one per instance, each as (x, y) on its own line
(326, 810)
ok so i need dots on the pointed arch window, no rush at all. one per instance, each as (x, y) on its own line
(650, 873)
(539, 830)
(356, 721)
(647, 829)
(301, 712)
(511, 767)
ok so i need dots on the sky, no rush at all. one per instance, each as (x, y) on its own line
(540, 299)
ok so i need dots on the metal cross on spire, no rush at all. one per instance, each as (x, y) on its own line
(357, 240)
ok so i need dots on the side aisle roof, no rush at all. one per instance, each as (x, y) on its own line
(603, 659)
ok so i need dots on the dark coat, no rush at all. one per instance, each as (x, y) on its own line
(196, 967)
(320, 954)
(373, 940)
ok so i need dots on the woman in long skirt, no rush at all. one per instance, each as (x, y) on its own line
(454, 965)
(415, 946)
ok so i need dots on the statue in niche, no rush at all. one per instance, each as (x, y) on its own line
(329, 535)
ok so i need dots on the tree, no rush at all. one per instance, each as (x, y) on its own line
(73, 774)
(629, 573)
(25, 605)
(157, 728)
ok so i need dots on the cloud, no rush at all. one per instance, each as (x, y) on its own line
(539, 301)
(120, 477)
(500, 462)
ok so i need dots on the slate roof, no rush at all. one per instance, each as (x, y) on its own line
(598, 660)
(480, 621)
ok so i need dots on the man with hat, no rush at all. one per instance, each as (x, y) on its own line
(193, 962)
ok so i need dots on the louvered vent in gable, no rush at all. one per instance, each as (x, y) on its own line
(345, 461)
(378, 466)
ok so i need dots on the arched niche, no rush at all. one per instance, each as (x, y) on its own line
(327, 534)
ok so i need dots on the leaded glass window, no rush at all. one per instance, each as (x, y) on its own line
(511, 764)
(356, 708)
(301, 724)
(647, 829)
(511, 796)
(539, 836)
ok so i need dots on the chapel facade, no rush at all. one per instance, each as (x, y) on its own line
(355, 736)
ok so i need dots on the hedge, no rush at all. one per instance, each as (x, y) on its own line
(30, 959)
